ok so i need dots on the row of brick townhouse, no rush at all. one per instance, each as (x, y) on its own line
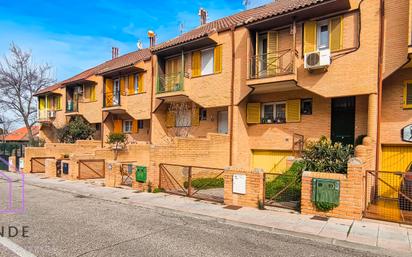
(262, 77)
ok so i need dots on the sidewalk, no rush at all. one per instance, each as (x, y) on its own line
(379, 237)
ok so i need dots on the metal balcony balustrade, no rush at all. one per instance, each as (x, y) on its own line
(272, 64)
(170, 83)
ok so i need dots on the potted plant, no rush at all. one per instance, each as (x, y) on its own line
(118, 142)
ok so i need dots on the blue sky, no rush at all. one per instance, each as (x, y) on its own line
(77, 34)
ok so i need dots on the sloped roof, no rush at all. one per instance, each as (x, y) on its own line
(239, 19)
(116, 63)
(21, 134)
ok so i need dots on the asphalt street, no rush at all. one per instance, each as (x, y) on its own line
(67, 224)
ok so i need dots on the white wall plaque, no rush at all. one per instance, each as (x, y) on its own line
(407, 133)
(239, 184)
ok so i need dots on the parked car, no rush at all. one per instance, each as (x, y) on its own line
(405, 204)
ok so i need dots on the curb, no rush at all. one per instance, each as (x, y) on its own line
(255, 227)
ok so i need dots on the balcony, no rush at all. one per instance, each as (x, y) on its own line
(46, 115)
(272, 72)
(111, 99)
(168, 83)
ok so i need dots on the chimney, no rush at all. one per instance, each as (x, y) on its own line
(203, 16)
(152, 38)
(115, 52)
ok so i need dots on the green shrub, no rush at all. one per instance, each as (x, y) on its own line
(289, 182)
(206, 183)
(77, 129)
(323, 156)
(118, 141)
(158, 190)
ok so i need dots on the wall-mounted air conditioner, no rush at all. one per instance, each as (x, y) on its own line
(317, 60)
(79, 90)
(51, 114)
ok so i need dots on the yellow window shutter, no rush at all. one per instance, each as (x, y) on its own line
(309, 36)
(218, 59)
(117, 126)
(272, 62)
(130, 85)
(49, 102)
(336, 33)
(42, 103)
(196, 64)
(122, 85)
(135, 127)
(293, 110)
(253, 113)
(109, 92)
(170, 119)
(195, 116)
(407, 94)
(57, 103)
(140, 83)
(93, 93)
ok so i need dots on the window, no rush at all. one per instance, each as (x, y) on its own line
(127, 126)
(184, 118)
(136, 83)
(407, 94)
(202, 114)
(306, 107)
(207, 61)
(323, 35)
(274, 112)
(140, 124)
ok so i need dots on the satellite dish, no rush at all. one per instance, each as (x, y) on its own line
(139, 45)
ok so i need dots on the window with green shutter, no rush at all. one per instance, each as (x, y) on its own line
(407, 94)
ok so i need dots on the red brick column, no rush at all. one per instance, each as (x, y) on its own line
(254, 188)
(351, 192)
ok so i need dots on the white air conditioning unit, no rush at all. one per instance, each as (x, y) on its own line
(79, 90)
(317, 60)
(51, 114)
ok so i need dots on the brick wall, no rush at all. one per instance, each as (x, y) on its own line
(254, 188)
(351, 192)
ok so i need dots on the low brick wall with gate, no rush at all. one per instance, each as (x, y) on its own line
(352, 192)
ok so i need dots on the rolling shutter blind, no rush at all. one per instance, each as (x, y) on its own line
(135, 128)
(170, 119)
(293, 110)
(253, 113)
(118, 126)
(218, 59)
(140, 83)
(195, 116)
(196, 63)
(336, 33)
(309, 36)
(131, 84)
(42, 103)
(407, 95)
(272, 62)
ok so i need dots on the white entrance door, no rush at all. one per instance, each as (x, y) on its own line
(222, 122)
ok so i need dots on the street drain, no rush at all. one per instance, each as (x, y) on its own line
(125, 197)
(232, 207)
(81, 196)
(321, 218)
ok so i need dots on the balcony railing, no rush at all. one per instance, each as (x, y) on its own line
(170, 83)
(72, 106)
(42, 114)
(272, 64)
(111, 99)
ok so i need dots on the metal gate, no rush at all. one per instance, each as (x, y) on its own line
(37, 164)
(91, 169)
(204, 183)
(388, 196)
(283, 190)
(10, 149)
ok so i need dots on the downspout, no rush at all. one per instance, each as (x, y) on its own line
(380, 81)
(152, 98)
(232, 82)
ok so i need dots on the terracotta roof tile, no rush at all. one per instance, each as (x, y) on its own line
(21, 134)
(239, 19)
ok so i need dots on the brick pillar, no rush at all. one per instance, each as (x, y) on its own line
(254, 188)
(50, 168)
(12, 163)
(372, 124)
(113, 176)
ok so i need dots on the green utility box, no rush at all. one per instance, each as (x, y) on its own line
(325, 191)
(141, 174)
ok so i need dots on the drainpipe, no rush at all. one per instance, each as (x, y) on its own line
(232, 82)
(152, 98)
(380, 81)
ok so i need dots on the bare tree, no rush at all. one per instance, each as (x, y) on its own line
(5, 126)
(20, 78)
